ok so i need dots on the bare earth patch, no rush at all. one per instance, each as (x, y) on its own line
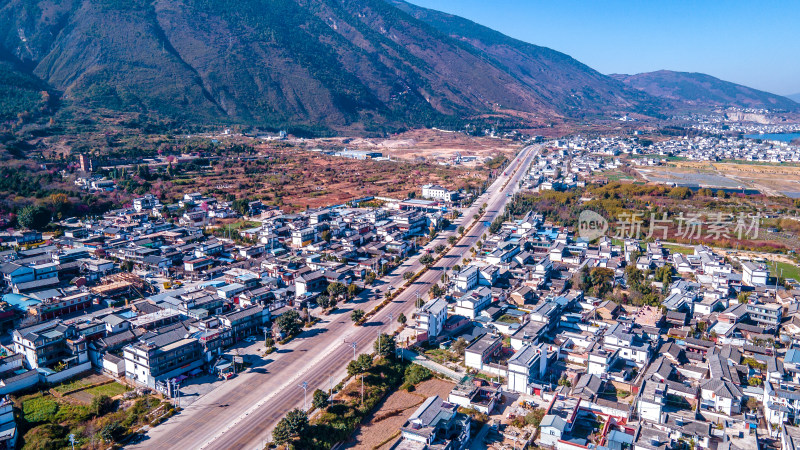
(382, 428)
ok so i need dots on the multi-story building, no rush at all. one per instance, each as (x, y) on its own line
(768, 315)
(527, 364)
(431, 317)
(754, 274)
(146, 203)
(436, 424)
(471, 303)
(150, 363)
(436, 192)
(49, 344)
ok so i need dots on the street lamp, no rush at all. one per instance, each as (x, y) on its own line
(305, 395)
(176, 389)
(353, 344)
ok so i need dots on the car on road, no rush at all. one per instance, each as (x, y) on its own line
(250, 339)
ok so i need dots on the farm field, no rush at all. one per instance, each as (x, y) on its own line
(771, 179)
(92, 408)
(296, 179)
(428, 145)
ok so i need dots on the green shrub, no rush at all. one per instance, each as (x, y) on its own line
(39, 409)
(415, 374)
(46, 437)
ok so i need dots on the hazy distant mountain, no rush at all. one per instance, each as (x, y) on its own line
(340, 64)
(794, 97)
(701, 90)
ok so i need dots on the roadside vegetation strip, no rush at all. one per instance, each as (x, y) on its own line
(336, 422)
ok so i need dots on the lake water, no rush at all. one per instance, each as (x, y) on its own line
(783, 137)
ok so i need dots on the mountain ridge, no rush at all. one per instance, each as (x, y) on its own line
(693, 89)
(312, 66)
(323, 64)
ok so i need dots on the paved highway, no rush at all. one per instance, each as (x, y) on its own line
(240, 414)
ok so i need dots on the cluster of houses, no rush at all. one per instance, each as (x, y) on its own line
(153, 299)
(716, 363)
(699, 148)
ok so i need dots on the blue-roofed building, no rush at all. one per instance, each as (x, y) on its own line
(20, 301)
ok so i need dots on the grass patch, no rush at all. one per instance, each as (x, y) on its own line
(441, 356)
(39, 409)
(46, 421)
(72, 385)
(110, 389)
(789, 270)
(673, 248)
(508, 318)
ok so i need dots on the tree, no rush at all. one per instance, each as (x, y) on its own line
(452, 240)
(459, 346)
(535, 417)
(326, 235)
(401, 319)
(60, 203)
(336, 289)
(126, 266)
(357, 314)
(242, 206)
(320, 399)
(289, 323)
(664, 275)
(369, 278)
(352, 289)
(426, 259)
(296, 422)
(34, 217)
(408, 275)
(324, 301)
(101, 405)
(280, 434)
(112, 432)
(359, 365)
(460, 230)
(436, 291)
(385, 345)
(439, 248)
(601, 279)
(269, 342)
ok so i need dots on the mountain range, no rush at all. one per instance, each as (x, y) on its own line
(355, 65)
(700, 90)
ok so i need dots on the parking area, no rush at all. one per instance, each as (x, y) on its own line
(193, 388)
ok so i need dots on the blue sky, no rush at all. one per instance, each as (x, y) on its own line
(752, 42)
